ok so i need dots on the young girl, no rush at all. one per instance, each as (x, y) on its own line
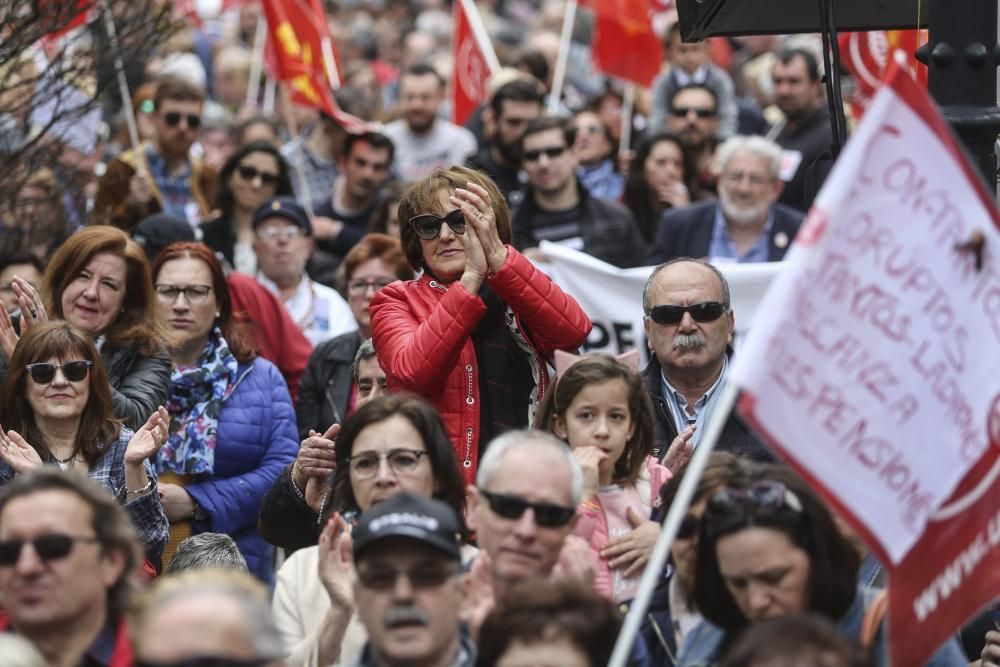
(598, 405)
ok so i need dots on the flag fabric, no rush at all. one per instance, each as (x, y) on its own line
(295, 39)
(866, 55)
(62, 17)
(877, 375)
(624, 43)
(474, 61)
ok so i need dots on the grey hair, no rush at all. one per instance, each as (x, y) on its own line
(755, 145)
(366, 351)
(646, 301)
(529, 437)
(250, 595)
(207, 550)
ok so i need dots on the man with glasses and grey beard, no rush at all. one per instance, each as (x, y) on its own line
(408, 588)
(689, 324)
(746, 224)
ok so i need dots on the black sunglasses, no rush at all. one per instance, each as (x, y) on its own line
(428, 225)
(173, 119)
(73, 371)
(551, 153)
(698, 111)
(207, 661)
(50, 546)
(705, 311)
(248, 173)
(513, 507)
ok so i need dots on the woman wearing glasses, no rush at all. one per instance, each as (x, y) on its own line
(769, 547)
(391, 444)
(232, 426)
(57, 404)
(99, 282)
(253, 174)
(473, 333)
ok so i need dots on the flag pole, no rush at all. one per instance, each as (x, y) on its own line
(329, 62)
(652, 575)
(300, 163)
(257, 63)
(270, 93)
(479, 32)
(562, 60)
(127, 109)
(628, 103)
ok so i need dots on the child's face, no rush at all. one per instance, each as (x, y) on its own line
(599, 417)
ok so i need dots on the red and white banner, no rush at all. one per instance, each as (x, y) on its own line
(624, 43)
(474, 61)
(877, 374)
(867, 55)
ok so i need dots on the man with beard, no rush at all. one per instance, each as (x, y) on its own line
(689, 324)
(745, 224)
(424, 141)
(693, 115)
(512, 107)
(408, 584)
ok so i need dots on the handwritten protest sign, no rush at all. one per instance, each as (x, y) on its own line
(878, 374)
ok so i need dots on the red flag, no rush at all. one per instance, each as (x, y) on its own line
(624, 43)
(295, 36)
(877, 373)
(62, 17)
(867, 56)
(188, 11)
(474, 61)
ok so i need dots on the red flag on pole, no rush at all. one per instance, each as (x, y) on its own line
(877, 374)
(624, 43)
(474, 61)
(295, 36)
(867, 56)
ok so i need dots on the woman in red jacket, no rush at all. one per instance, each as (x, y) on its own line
(473, 332)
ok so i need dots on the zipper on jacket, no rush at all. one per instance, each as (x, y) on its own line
(467, 463)
(438, 286)
(469, 397)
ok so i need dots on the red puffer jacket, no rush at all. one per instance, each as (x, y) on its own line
(422, 333)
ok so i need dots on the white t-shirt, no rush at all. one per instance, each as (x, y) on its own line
(417, 155)
(319, 311)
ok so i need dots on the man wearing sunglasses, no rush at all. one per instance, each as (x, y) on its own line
(746, 224)
(162, 176)
(689, 324)
(67, 553)
(558, 208)
(408, 587)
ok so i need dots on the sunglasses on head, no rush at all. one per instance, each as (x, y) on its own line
(513, 507)
(73, 371)
(763, 497)
(428, 225)
(248, 174)
(697, 111)
(51, 546)
(173, 119)
(705, 311)
(551, 153)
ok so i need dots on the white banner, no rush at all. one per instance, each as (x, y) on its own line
(612, 297)
(875, 369)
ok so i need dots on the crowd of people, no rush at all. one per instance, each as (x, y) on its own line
(280, 390)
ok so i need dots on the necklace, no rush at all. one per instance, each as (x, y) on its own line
(66, 460)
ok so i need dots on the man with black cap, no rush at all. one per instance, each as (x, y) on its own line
(283, 242)
(408, 588)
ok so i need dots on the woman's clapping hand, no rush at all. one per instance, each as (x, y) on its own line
(17, 453)
(147, 441)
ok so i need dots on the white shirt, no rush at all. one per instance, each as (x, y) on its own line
(319, 311)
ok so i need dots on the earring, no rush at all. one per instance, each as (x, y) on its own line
(218, 314)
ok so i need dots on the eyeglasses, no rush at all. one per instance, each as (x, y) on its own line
(697, 111)
(763, 497)
(689, 527)
(401, 462)
(286, 232)
(428, 225)
(551, 153)
(513, 507)
(195, 294)
(173, 119)
(421, 577)
(361, 286)
(208, 661)
(248, 174)
(51, 546)
(705, 311)
(73, 371)
(737, 177)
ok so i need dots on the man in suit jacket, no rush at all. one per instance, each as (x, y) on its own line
(746, 224)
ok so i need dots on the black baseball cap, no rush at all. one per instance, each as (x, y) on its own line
(159, 230)
(411, 516)
(283, 207)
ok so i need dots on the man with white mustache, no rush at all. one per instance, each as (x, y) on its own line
(408, 588)
(689, 324)
(746, 224)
